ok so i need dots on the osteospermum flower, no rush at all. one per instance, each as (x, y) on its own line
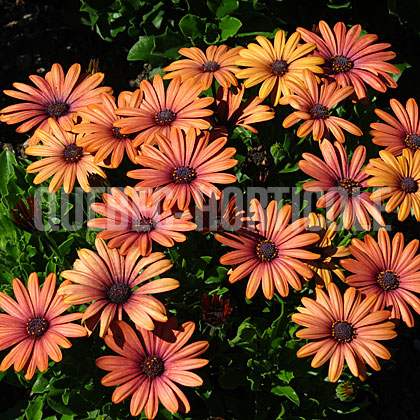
(344, 329)
(150, 363)
(274, 65)
(218, 62)
(63, 159)
(325, 266)
(342, 183)
(184, 166)
(26, 213)
(221, 215)
(353, 61)
(400, 178)
(398, 133)
(109, 279)
(313, 102)
(270, 254)
(33, 325)
(57, 96)
(100, 136)
(178, 106)
(232, 112)
(130, 223)
(390, 271)
(215, 311)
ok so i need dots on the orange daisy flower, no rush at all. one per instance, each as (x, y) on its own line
(222, 215)
(33, 325)
(130, 223)
(184, 166)
(400, 177)
(179, 107)
(390, 271)
(398, 133)
(353, 61)
(108, 279)
(232, 112)
(64, 160)
(218, 62)
(325, 266)
(343, 329)
(100, 136)
(313, 103)
(150, 363)
(57, 96)
(342, 183)
(274, 65)
(271, 252)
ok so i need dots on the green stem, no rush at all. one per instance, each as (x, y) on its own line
(64, 264)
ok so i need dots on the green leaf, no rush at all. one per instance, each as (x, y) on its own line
(245, 334)
(286, 391)
(286, 376)
(34, 410)
(192, 26)
(168, 45)
(212, 34)
(65, 247)
(7, 171)
(290, 167)
(402, 67)
(141, 49)
(39, 385)
(222, 8)
(229, 26)
(65, 396)
(339, 6)
(59, 407)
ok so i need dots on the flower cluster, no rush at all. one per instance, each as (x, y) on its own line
(175, 139)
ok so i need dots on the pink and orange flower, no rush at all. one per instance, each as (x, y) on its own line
(352, 60)
(218, 62)
(110, 281)
(271, 253)
(35, 326)
(177, 106)
(184, 166)
(388, 270)
(342, 183)
(129, 223)
(149, 364)
(57, 96)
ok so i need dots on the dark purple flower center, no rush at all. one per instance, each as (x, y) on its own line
(412, 141)
(211, 66)
(119, 293)
(319, 111)
(57, 110)
(409, 185)
(266, 250)
(279, 67)
(153, 366)
(387, 280)
(341, 64)
(349, 187)
(116, 132)
(343, 331)
(36, 327)
(165, 117)
(183, 174)
(143, 225)
(72, 153)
